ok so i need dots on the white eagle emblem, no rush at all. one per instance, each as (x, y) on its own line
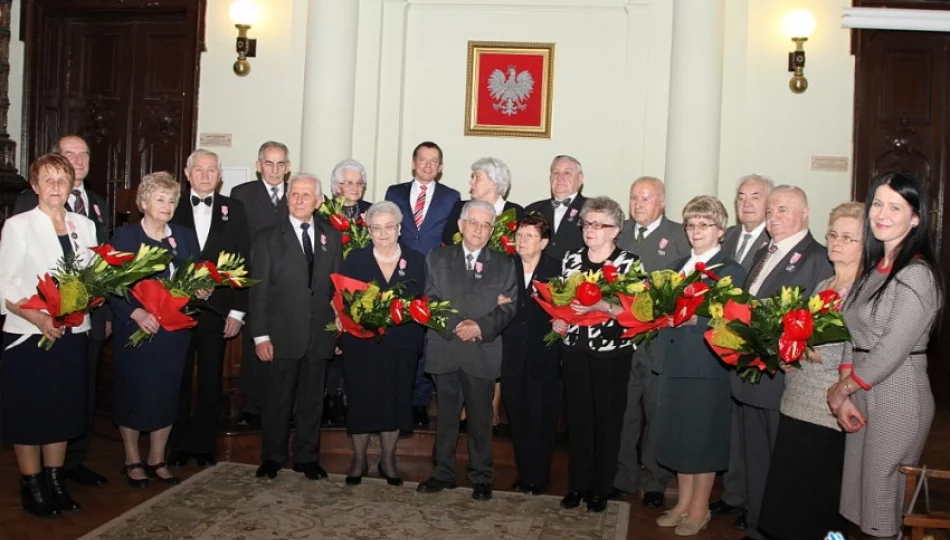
(510, 92)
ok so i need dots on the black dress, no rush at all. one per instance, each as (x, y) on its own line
(43, 392)
(379, 375)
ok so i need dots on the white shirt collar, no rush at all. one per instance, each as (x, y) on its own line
(499, 206)
(474, 254)
(296, 223)
(81, 188)
(704, 258)
(786, 245)
(268, 187)
(650, 228)
(754, 232)
(430, 187)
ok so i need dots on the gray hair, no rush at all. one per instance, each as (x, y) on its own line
(273, 144)
(383, 208)
(201, 152)
(706, 207)
(336, 177)
(302, 175)
(478, 205)
(565, 157)
(604, 205)
(769, 184)
(497, 171)
(786, 188)
(660, 187)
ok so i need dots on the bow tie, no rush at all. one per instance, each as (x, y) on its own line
(195, 200)
(555, 203)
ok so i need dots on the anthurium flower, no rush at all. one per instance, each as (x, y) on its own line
(112, 256)
(419, 310)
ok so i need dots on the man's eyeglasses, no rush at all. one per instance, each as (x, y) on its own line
(832, 236)
(479, 225)
(596, 225)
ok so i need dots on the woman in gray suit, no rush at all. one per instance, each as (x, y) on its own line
(883, 398)
(694, 401)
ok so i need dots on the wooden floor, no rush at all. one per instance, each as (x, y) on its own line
(103, 504)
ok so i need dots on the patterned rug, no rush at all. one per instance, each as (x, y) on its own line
(227, 502)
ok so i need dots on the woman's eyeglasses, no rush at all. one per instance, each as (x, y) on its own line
(832, 236)
(596, 225)
(702, 227)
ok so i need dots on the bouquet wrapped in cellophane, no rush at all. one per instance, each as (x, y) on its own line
(501, 235)
(354, 231)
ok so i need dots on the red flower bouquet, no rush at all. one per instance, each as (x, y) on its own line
(502, 236)
(355, 234)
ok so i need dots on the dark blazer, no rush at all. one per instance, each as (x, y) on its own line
(452, 223)
(281, 306)
(568, 236)
(475, 298)
(260, 211)
(730, 243)
(98, 210)
(523, 340)
(651, 254)
(423, 239)
(682, 352)
(812, 268)
(228, 232)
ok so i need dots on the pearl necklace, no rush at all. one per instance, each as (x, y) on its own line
(391, 259)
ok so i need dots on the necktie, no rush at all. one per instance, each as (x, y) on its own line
(757, 269)
(274, 198)
(307, 250)
(740, 253)
(79, 207)
(469, 262)
(196, 200)
(555, 203)
(640, 231)
(417, 212)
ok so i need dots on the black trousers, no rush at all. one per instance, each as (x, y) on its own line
(533, 400)
(596, 393)
(335, 375)
(252, 377)
(197, 432)
(759, 431)
(78, 448)
(455, 389)
(292, 386)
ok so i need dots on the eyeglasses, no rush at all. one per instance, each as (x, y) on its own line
(703, 227)
(391, 228)
(351, 184)
(596, 225)
(527, 236)
(479, 225)
(832, 236)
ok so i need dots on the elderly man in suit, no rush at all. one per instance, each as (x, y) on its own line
(466, 360)
(265, 203)
(88, 204)
(658, 241)
(426, 205)
(563, 209)
(792, 259)
(289, 308)
(741, 242)
(219, 224)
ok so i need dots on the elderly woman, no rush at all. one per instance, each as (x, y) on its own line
(43, 392)
(490, 182)
(348, 181)
(695, 401)
(148, 376)
(803, 489)
(530, 370)
(883, 399)
(379, 375)
(596, 364)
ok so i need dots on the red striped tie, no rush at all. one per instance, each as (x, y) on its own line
(417, 212)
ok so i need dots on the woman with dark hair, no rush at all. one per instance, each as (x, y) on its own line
(531, 371)
(883, 397)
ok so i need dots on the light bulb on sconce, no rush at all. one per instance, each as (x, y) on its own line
(244, 14)
(798, 25)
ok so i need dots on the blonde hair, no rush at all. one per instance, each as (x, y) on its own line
(847, 210)
(706, 207)
(154, 182)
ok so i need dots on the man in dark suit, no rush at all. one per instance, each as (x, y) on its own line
(425, 205)
(289, 310)
(792, 259)
(741, 242)
(658, 242)
(94, 207)
(466, 360)
(219, 224)
(563, 209)
(265, 203)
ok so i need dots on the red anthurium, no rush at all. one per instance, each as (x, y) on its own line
(111, 255)
(790, 350)
(340, 222)
(695, 290)
(686, 307)
(610, 273)
(346, 239)
(395, 311)
(701, 268)
(736, 311)
(798, 325)
(419, 310)
(513, 226)
(830, 300)
(506, 243)
(361, 222)
(588, 293)
(212, 270)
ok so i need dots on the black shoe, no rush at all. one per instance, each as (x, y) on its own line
(206, 459)
(312, 470)
(573, 499)
(531, 489)
(35, 497)
(740, 522)
(596, 503)
(178, 458)
(481, 492)
(391, 480)
(152, 472)
(434, 485)
(268, 469)
(617, 494)
(59, 497)
(85, 476)
(722, 508)
(420, 416)
(329, 411)
(356, 480)
(653, 499)
(134, 482)
(250, 421)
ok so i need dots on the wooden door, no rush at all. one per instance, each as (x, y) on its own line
(902, 121)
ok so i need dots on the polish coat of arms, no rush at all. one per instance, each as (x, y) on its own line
(510, 91)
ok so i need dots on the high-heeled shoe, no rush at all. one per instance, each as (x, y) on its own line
(57, 491)
(152, 472)
(34, 496)
(688, 528)
(356, 480)
(391, 480)
(135, 482)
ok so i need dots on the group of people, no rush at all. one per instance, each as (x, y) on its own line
(801, 450)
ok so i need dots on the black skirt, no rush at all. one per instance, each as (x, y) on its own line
(43, 393)
(803, 489)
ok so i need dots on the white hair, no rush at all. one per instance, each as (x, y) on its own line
(565, 157)
(477, 205)
(383, 207)
(302, 175)
(660, 187)
(336, 177)
(273, 144)
(769, 184)
(201, 152)
(497, 172)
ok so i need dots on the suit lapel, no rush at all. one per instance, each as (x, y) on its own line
(293, 250)
(216, 229)
(777, 276)
(569, 219)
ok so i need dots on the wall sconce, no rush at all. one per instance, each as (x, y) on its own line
(244, 13)
(798, 26)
